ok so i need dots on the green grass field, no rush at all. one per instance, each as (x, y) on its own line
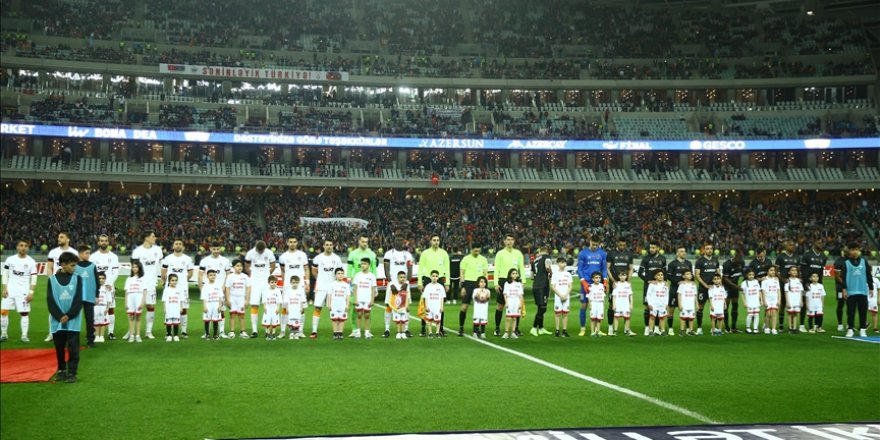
(241, 388)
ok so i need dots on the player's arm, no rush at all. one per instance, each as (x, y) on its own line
(387, 266)
(6, 280)
(164, 274)
(422, 263)
(409, 269)
(247, 267)
(50, 267)
(611, 280)
(272, 268)
(33, 286)
(447, 273)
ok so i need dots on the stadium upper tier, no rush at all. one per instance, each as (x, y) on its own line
(514, 39)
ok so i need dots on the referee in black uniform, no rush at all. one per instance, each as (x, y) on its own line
(618, 260)
(455, 274)
(541, 269)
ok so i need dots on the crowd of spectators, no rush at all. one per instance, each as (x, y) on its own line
(429, 122)
(318, 122)
(56, 109)
(471, 221)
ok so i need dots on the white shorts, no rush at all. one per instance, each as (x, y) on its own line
(150, 296)
(814, 313)
(481, 313)
(793, 310)
(753, 311)
(716, 315)
(658, 312)
(433, 317)
(872, 303)
(362, 306)
(717, 311)
(294, 324)
(15, 302)
(321, 297)
(625, 313)
(597, 313)
(236, 305)
(561, 307)
(133, 303)
(101, 317)
(687, 315)
(400, 317)
(338, 315)
(257, 292)
(271, 320)
(211, 312)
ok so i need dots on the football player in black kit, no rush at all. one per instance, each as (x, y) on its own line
(760, 264)
(675, 272)
(651, 264)
(784, 262)
(542, 267)
(618, 260)
(813, 262)
(704, 269)
(731, 272)
(839, 264)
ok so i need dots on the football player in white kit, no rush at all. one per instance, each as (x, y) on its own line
(259, 264)
(238, 290)
(366, 290)
(324, 269)
(215, 261)
(293, 262)
(108, 262)
(181, 265)
(150, 257)
(19, 281)
(52, 266)
(396, 260)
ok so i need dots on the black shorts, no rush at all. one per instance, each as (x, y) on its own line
(733, 295)
(468, 295)
(702, 295)
(454, 288)
(541, 295)
(500, 296)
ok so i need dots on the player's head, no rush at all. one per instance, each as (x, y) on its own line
(172, 279)
(789, 246)
(562, 263)
(260, 246)
(294, 281)
(750, 274)
(102, 278)
(103, 242)
(622, 275)
(148, 237)
(328, 247)
(137, 268)
(398, 243)
(22, 246)
(67, 261)
(594, 241)
(363, 241)
(482, 282)
(237, 266)
(680, 252)
(761, 253)
(435, 275)
(401, 277)
(435, 241)
(814, 277)
(653, 247)
(509, 240)
(212, 275)
(340, 274)
(292, 243)
(273, 281)
(596, 277)
(818, 243)
(621, 243)
(659, 275)
(854, 251)
(215, 248)
(475, 251)
(793, 272)
(84, 252)
(736, 256)
(365, 264)
(512, 274)
(771, 271)
(177, 245)
(708, 250)
(63, 239)
(716, 279)
(687, 275)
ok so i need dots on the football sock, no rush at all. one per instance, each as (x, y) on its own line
(517, 325)
(647, 315)
(216, 328)
(222, 322)
(610, 315)
(726, 317)
(840, 304)
(283, 321)
(387, 321)
(461, 316)
(497, 318)
(316, 319)
(150, 317)
(184, 321)
(442, 322)
(803, 314)
(423, 326)
(207, 324)
(25, 324)
(734, 315)
(4, 323)
(253, 321)
(168, 330)
(820, 319)
(582, 314)
(699, 319)
(112, 324)
(176, 328)
(669, 322)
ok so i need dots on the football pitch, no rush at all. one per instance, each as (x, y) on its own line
(249, 388)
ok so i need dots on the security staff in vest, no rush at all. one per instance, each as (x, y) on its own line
(64, 294)
(650, 265)
(542, 267)
(857, 282)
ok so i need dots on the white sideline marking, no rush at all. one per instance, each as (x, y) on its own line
(593, 380)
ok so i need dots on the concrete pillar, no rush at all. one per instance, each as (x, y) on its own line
(168, 86)
(106, 84)
(505, 96)
(459, 158)
(615, 95)
(104, 150)
(227, 153)
(570, 160)
(627, 161)
(798, 94)
(37, 150)
(287, 155)
(683, 161)
(514, 160)
(744, 160)
(812, 159)
(401, 159)
(227, 86)
(167, 155)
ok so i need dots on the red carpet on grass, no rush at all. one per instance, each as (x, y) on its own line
(27, 365)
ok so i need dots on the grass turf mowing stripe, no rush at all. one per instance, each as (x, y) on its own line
(584, 377)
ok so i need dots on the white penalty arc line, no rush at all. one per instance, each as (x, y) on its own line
(593, 380)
